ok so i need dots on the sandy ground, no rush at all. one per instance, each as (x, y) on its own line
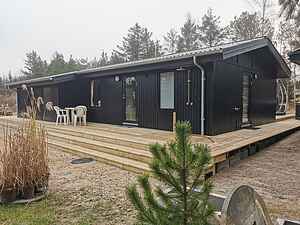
(93, 190)
(98, 190)
(275, 175)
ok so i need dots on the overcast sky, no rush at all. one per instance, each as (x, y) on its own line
(84, 28)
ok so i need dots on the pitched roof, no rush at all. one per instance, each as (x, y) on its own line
(294, 56)
(226, 50)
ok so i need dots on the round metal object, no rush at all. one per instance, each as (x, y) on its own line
(244, 206)
(82, 160)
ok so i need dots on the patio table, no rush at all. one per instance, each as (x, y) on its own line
(70, 110)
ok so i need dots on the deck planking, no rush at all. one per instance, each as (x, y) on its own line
(220, 145)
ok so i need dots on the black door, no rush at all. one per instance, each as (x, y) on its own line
(188, 97)
(130, 99)
(235, 93)
(108, 99)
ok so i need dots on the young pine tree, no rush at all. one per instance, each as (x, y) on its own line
(183, 197)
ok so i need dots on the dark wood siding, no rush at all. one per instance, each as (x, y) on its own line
(226, 84)
(188, 109)
(227, 95)
(74, 93)
(109, 92)
(148, 105)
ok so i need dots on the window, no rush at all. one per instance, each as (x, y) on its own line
(167, 90)
(92, 83)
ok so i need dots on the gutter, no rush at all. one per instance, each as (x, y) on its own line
(202, 92)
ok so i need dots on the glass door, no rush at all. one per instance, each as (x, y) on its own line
(130, 99)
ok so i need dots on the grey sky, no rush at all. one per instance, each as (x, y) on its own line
(84, 27)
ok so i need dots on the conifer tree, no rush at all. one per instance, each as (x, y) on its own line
(137, 44)
(170, 41)
(188, 38)
(182, 199)
(34, 65)
(211, 33)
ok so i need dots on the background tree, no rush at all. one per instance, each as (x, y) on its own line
(170, 41)
(188, 39)
(290, 8)
(184, 199)
(34, 65)
(211, 32)
(103, 61)
(248, 26)
(57, 64)
(138, 44)
(116, 58)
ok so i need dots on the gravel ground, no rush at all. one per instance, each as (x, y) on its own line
(92, 192)
(95, 192)
(275, 175)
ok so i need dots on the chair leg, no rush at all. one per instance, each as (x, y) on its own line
(75, 120)
(56, 120)
(65, 120)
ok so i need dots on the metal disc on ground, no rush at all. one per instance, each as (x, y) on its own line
(82, 160)
(244, 206)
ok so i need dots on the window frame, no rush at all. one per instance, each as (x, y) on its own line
(172, 105)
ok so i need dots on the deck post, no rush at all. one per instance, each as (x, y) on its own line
(174, 120)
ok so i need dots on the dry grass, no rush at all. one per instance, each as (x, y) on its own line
(8, 97)
(24, 157)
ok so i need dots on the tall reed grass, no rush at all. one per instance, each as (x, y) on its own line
(24, 156)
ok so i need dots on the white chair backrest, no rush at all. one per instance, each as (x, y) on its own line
(57, 110)
(49, 106)
(80, 110)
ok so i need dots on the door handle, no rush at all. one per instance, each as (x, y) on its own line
(236, 108)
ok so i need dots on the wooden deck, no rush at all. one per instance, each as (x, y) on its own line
(127, 147)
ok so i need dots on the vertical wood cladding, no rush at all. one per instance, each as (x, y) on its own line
(109, 92)
(227, 92)
(149, 113)
(227, 99)
(74, 93)
(188, 104)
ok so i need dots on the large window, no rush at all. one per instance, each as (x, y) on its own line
(167, 90)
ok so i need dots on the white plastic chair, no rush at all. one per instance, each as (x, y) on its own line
(61, 115)
(80, 114)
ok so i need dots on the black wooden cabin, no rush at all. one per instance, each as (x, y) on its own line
(239, 81)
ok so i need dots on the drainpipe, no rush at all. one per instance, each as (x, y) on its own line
(202, 92)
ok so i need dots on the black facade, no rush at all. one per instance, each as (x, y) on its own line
(224, 94)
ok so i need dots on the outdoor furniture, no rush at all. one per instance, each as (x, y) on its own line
(70, 110)
(80, 114)
(61, 115)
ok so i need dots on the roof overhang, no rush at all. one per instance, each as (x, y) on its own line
(171, 61)
(294, 56)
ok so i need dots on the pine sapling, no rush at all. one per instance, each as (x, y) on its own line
(182, 196)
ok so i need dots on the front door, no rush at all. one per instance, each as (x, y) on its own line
(130, 103)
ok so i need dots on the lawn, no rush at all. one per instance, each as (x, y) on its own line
(33, 214)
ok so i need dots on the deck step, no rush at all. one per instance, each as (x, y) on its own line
(127, 158)
(123, 163)
(107, 137)
(116, 149)
(128, 140)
